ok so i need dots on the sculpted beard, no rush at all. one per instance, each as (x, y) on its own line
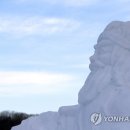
(96, 82)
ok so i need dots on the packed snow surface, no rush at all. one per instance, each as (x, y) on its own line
(104, 99)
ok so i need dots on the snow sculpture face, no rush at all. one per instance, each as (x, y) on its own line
(110, 62)
(100, 75)
(102, 55)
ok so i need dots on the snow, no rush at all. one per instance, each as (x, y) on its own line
(105, 94)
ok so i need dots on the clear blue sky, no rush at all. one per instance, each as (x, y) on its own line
(45, 47)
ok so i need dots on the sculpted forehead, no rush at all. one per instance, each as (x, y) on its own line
(118, 33)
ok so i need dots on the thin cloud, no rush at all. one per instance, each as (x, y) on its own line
(73, 3)
(32, 89)
(123, 1)
(19, 83)
(39, 78)
(36, 25)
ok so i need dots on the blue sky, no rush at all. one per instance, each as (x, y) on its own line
(45, 48)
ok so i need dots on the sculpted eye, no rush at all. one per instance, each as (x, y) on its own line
(106, 49)
(104, 46)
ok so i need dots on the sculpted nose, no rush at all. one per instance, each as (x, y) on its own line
(92, 58)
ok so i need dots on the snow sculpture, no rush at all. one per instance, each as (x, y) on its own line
(104, 100)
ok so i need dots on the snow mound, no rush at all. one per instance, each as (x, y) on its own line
(104, 99)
